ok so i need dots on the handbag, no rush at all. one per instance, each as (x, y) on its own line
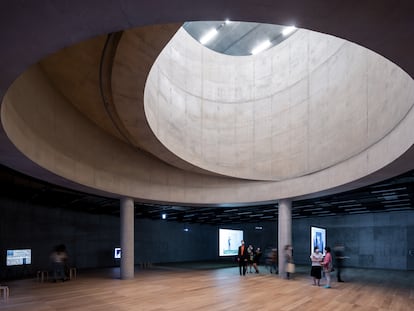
(290, 267)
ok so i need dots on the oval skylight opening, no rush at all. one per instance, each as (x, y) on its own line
(238, 38)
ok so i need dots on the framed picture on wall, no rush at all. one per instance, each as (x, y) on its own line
(318, 238)
(229, 241)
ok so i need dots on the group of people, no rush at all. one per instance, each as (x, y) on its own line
(324, 263)
(272, 260)
(319, 262)
(248, 258)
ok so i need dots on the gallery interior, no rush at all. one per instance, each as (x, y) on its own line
(150, 138)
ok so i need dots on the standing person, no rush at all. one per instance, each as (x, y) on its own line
(256, 259)
(250, 256)
(274, 261)
(316, 271)
(289, 265)
(59, 258)
(327, 266)
(339, 259)
(242, 258)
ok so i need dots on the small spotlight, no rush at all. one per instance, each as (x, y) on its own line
(208, 36)
(261, 47)
(288, 30)
(227, 21)
(164, 216)
(186, 229)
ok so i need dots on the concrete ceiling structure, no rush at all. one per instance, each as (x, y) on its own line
(91, 101)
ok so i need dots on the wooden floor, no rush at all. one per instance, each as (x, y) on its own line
(195, 287)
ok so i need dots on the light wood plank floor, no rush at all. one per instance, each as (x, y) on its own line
(191, 288)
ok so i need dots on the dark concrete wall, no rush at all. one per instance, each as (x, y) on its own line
(380, 240)
(88, 238)
(166, 241)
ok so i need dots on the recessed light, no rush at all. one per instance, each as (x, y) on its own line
(261, 47)
(288, 30)
(208, 36)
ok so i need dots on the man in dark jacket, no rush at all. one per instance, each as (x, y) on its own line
(242, 258)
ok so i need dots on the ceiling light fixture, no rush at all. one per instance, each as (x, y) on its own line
(388, 190)
(288, 30)
(261, 47)
(395, 205)
(244, 213)
(209, 36)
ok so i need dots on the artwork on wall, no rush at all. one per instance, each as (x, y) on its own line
(16, 257)
(318, 238)
(117, 253)
(229, 241)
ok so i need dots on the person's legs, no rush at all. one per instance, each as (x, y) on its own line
(338, 268)
(338, 273)
(313, 274)
(319, 276)
(55, 272)
(61, 272)
(328, 279)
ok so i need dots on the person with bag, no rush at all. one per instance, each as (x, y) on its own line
(327, 266)
(290, 266)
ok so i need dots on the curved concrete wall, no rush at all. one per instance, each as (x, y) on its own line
(51, 132)
(302, 106)
(44, 29)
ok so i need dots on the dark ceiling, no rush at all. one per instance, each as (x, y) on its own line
(396, 194)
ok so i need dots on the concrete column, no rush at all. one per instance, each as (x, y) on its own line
(284, 232)
(127, 216)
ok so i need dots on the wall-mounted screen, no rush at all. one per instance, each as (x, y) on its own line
(318, 238)
(16, 257)
(229, 241)
(117, 252)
